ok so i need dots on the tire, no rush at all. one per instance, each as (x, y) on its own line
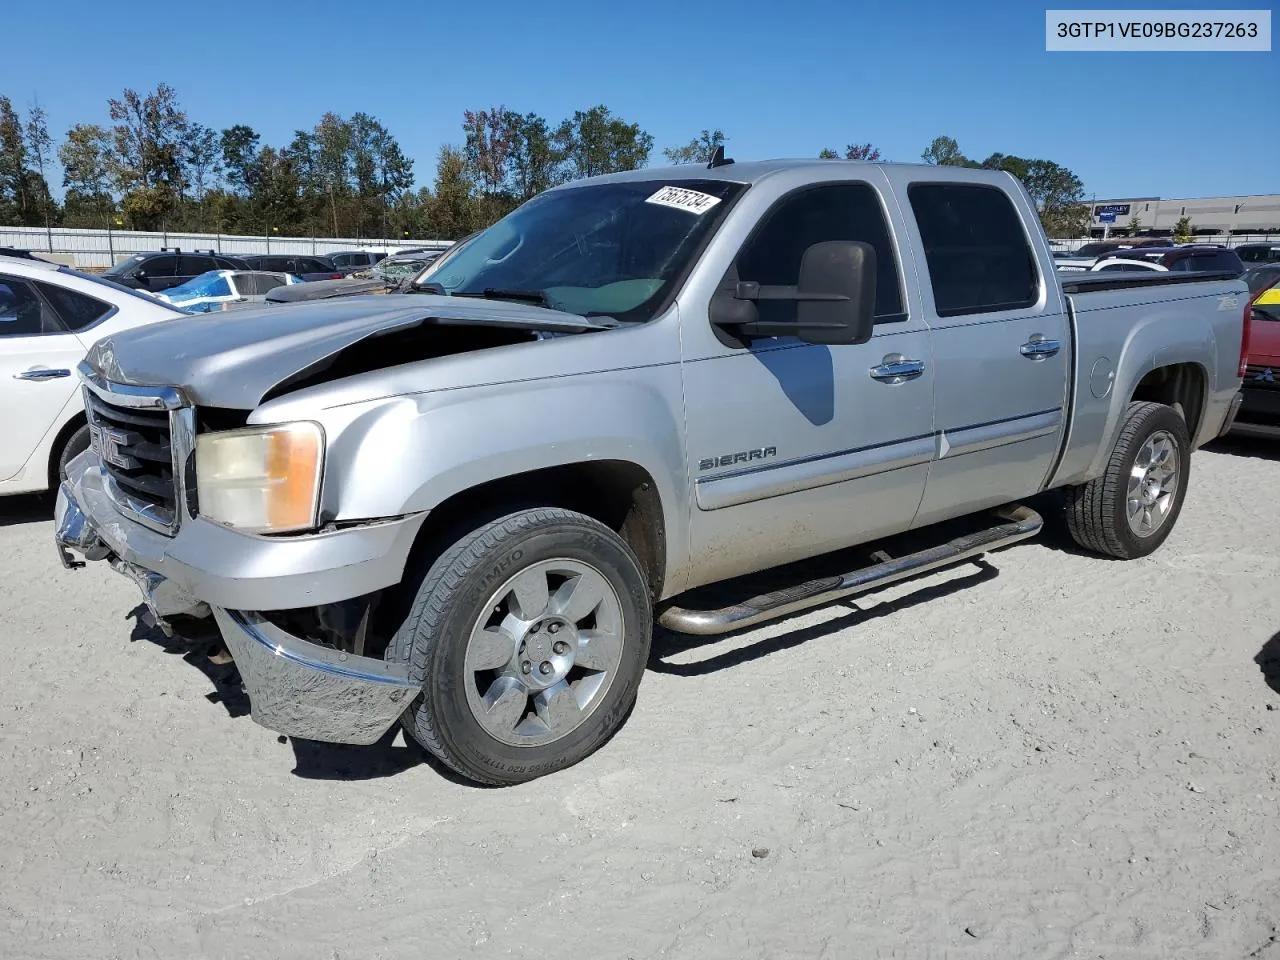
(76, 444)
(1098, 513)
(511, 694)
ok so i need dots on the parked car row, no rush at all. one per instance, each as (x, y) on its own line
(1187, 258)
(171, 266)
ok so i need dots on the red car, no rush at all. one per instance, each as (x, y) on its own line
(1260, 412)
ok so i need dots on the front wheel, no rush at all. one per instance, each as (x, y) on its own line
(1130, 509)
(529, 636)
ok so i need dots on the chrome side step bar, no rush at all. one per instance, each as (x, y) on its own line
(1020, 523)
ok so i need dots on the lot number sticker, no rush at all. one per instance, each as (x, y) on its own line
(691, 200)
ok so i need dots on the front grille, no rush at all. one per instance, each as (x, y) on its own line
(135, 446)
(1261, 377)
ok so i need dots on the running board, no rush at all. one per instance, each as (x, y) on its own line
(1020, 523)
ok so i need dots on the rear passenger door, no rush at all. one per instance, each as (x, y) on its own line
(159, 273)
(192, 265)
(1001, 347)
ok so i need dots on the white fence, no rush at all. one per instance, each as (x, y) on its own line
(103, 248)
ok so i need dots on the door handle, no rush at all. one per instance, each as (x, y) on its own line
(1039, 347)
(895, 368)
(44, 374)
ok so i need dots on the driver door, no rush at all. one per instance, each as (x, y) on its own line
(797, 449)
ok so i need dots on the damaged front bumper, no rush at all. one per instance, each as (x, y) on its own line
(295, 686)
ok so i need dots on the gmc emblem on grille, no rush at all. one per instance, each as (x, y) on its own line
(106, 443)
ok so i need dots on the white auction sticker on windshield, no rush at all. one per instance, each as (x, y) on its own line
(682, 199)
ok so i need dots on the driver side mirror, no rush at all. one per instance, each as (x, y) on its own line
(835, 298)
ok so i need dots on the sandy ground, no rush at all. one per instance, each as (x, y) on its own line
(1051, 755)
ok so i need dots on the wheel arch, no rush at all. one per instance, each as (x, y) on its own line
(620, 494)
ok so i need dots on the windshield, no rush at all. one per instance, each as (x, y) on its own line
(123, 266)
(606, 249)
(212, 284)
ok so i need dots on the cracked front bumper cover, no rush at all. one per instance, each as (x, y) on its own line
(315, 693)
(295, 687)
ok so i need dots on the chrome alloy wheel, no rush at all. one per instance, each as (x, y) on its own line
(1153, 484)
(543, 653)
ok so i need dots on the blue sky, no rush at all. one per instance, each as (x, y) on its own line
(781, 79)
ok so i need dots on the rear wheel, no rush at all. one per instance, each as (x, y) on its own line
(530, 636)
(1130, 509)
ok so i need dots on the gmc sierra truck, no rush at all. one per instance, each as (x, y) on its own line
(463, 508)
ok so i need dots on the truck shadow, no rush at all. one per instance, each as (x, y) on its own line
(313, 760)
(667, 644)
(26, 508)
(1268, 661)
(1259, 448)
(227, 688)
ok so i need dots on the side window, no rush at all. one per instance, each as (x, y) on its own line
(160, 266)
(1116, 266)
(76, 310)
(1252, 254)
(22, 313)
(193, 266)
(978, 255)
(1184, 265)
(838, 211)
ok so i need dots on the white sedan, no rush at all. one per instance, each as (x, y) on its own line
(49, 317)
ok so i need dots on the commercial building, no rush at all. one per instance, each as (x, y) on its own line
(1209, 216)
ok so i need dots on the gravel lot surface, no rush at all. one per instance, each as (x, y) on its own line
(1043, 755)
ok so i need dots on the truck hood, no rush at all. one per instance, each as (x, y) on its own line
(235, 359)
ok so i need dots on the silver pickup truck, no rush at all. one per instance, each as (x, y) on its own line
(463, 508)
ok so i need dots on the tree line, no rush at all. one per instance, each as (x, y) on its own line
(149, 166)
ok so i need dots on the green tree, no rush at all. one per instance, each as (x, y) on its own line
(595, 142)
(1182, 231)
(453, 212)
(1135, 224)
(239, 146)
(148, 138)
(86, 174)
(40, 149)
(201, 159)
(697, 150)
(333, 160)
(14, 206)
(945, 152)
(854, 151)
(535, 162)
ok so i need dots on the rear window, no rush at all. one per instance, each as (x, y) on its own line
(978, 255)
(77, 311)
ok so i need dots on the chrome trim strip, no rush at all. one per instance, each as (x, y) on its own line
(984, 436)
(127, 395)
(743, 486)
(144, 513)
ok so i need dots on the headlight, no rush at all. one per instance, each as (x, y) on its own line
(261, 479)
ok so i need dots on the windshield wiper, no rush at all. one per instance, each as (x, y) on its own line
(521, 296)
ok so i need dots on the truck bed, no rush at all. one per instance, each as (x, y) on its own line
(1124, 324)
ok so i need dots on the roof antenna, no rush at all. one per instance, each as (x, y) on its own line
(717, 158)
